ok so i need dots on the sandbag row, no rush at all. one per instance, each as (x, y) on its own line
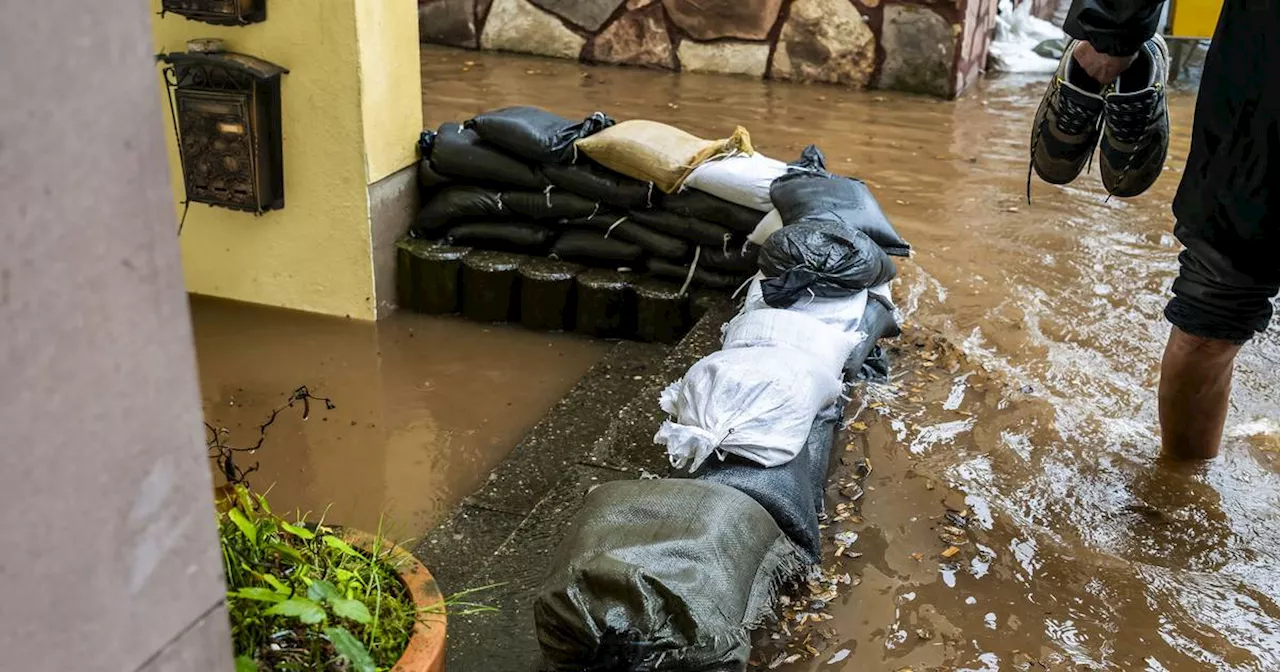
(593, 192)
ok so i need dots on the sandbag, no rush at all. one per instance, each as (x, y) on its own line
(588, 247)
(792, 493)
(650, 151)
(685, 228)
(842, 312)
(662, 576)
(808, 192)
(622, 228)
(601, 184)
(428, 178)
(765, 228)
(459, 152)
(756, 402)
(520, 237)
(736, 258)
(457, 204)
(773, 327)
(869, 361)
(826, 258)
(701, 205)
(741, 179)
(549, 204)
(535, 134)
(702, 277)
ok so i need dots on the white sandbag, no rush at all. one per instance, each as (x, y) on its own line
(741, 179)
(758, 403)
(842, 312)
(771, 222)
(777, 327)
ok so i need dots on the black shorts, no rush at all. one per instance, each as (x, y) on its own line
(1229, 200)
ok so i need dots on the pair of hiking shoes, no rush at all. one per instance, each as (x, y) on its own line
(1126, 121)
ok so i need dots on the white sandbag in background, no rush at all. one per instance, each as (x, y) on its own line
(741, 179)
(770, 223)
(774, 327)
(758, 403)
(843, 312)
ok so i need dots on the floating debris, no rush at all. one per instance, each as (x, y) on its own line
(951, 552)
(924, 634)
(839, 657)
(853, 491)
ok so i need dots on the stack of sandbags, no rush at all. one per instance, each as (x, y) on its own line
(595, 193)
(640, 580)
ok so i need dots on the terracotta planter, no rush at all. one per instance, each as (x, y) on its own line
(425, 652)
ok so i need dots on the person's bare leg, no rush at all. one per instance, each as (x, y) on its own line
(1195, 390)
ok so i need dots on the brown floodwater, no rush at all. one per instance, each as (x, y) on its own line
(424, 407)
(1029, 404)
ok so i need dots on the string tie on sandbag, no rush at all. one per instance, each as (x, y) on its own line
(614, 226)
(688, 279)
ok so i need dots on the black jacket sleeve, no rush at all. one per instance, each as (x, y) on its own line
(1115, 27)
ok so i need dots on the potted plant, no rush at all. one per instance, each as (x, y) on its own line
(308, 596)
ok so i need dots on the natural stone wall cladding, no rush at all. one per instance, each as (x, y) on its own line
(936, 47)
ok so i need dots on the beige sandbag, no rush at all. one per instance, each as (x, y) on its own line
(655, 152)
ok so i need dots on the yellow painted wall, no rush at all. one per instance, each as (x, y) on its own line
(316, 253)
(391, 79)
(1195, 18)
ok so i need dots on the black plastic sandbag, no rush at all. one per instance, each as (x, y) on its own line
(702, 277)
(552, 204)
(535, 134)
(589, 247)
(520, 237)
(793, 492)
(429, 178)
(662, 576)
(597, 183)
(459, 152)
(686, 228)
(736, 257)
(701, 205)
(621, 227)
(820, 258)
(455, 204)
(869, 361)
(808, 192)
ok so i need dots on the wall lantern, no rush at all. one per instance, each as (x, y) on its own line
(220, 12)
(226, 115)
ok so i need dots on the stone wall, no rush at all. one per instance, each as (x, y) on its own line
(936, 47)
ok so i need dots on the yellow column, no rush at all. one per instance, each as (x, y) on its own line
(351, 111)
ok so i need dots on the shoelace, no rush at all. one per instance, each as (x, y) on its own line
(1129, 119)
(1074, 117)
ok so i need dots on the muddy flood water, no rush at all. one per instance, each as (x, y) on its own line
(424, 407)
(1023, 394)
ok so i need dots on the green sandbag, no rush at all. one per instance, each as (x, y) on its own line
(662, 576)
